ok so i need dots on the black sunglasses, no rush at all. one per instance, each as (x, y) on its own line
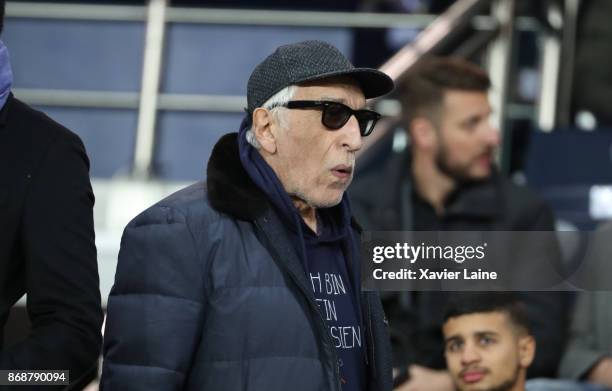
(336, 115)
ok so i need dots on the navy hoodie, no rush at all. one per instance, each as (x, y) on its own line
(324, 256)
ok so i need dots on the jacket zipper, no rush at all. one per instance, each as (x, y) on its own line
(371, 335)
(313, 306)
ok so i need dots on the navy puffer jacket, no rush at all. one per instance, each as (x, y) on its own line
(209, 295)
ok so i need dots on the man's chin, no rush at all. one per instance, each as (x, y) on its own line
(327, 201)
(473, 172)
(481, 386)
(486, 386)
(479, 176)
(470, 387)
(473, 176)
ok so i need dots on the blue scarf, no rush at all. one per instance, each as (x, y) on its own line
(266, 180)
(6, 74)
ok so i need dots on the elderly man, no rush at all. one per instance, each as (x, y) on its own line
(252, 280)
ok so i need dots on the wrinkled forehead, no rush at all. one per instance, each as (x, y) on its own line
(342, 89)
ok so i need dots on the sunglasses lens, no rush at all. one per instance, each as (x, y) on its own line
(336, 115)
(366, 120)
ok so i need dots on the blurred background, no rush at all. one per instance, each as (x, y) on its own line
(151, 85)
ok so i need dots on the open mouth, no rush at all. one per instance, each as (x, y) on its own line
(342, 171)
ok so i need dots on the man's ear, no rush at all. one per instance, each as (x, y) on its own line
(423, 133)
(527, 347)
(262, 127)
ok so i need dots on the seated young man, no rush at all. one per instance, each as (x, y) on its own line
(488, 342)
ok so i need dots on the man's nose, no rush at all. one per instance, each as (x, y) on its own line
(470, 354)
(492, 136)
(351, 135)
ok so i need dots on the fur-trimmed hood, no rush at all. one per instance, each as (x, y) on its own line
(230, 189)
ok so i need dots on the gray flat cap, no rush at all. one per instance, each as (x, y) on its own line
(306, 61)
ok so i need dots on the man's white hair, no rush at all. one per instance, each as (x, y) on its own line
(274, 103)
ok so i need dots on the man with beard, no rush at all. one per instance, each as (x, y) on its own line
(488, 344)
(446, 180)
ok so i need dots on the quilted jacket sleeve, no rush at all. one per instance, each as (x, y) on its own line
(155, 307)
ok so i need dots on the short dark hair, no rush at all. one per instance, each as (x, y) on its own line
(422, 89)
(467, 303)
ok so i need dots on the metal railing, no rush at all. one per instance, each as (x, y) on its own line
(464, 14)
(157, 15)
(218, 16)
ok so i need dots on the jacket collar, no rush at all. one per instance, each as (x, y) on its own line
(230, 189)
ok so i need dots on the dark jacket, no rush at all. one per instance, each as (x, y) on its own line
(496, 204)
(47, 248)
(211, 295)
